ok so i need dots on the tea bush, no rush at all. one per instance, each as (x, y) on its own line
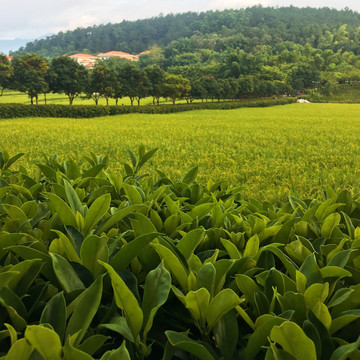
(8, 111)
(105, 265)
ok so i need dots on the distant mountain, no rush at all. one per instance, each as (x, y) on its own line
(12, 45)
(246, 29)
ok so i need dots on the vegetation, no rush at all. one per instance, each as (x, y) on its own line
(105, 265)
(231, 54)
(269, 152)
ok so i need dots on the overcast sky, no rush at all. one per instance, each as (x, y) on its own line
(34, 18)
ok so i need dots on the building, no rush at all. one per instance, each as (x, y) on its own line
(119, 54)
(86, 60)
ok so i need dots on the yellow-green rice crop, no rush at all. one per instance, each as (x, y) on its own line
(273, 152)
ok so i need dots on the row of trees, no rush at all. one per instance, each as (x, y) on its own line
(33, 75)
(286, 69)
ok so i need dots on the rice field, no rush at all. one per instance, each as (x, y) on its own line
(270, 152)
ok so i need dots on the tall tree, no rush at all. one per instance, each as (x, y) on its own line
(67, 77)
(30, 73)
(156, 77)
(176, 87)
(101, 83)
(6, 72)
(135, 83)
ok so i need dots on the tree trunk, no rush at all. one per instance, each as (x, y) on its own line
(173, 101)
(37, 99)
(107, 101)
(71, 98)
(116, 101)
(154, 100)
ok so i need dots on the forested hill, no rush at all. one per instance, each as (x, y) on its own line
(215, 30)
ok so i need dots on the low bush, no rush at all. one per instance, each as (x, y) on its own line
(102, 265)
(8, 111)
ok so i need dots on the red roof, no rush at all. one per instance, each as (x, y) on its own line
(83, 56)
(115, 53)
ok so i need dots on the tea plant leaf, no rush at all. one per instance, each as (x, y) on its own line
(97, 210)
(183, 342)
(345, 351)
(92, 249)
(65, 274)
(125, 300)
(63, 210)
(129, 251)
(156, 291)
(21, 350)
(54, 313)
(223, 302)
(190, 177)
(85, 310)
(45, 341)
(173, 263)
(252, 246)
(189, 242)
(118, 216)
(294, 341)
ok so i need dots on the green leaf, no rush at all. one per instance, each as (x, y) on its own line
(190, 177)
(183, 342)
(92, 249)
(226, 334)
(201, 210)
(72, 353)
(119, 325)
(54, 313)
(15, 213)
(65, 274)
(156, 292)
(93, 343)
(85, 310)
(143, 159)
(12, 160)
(259, 337)
(252, 246)
(63, 210)
(97, 210)
(45, 341)
(121, 353)
(206, 278)
(73, 199)
(343, 352)
(174, 264)
(329, 224)
(130, 250)
(126, 301)
(132, 194)
(311, 270)
(21, 350)
(197, 303)
(118, 216)
(248, 287)
(223, 302)
(294, 341)
(231, 249)
(188, 243)
(92, 172)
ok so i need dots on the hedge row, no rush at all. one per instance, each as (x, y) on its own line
(8, 111)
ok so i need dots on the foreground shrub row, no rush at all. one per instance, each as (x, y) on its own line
(99, 265)
(8, 111)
